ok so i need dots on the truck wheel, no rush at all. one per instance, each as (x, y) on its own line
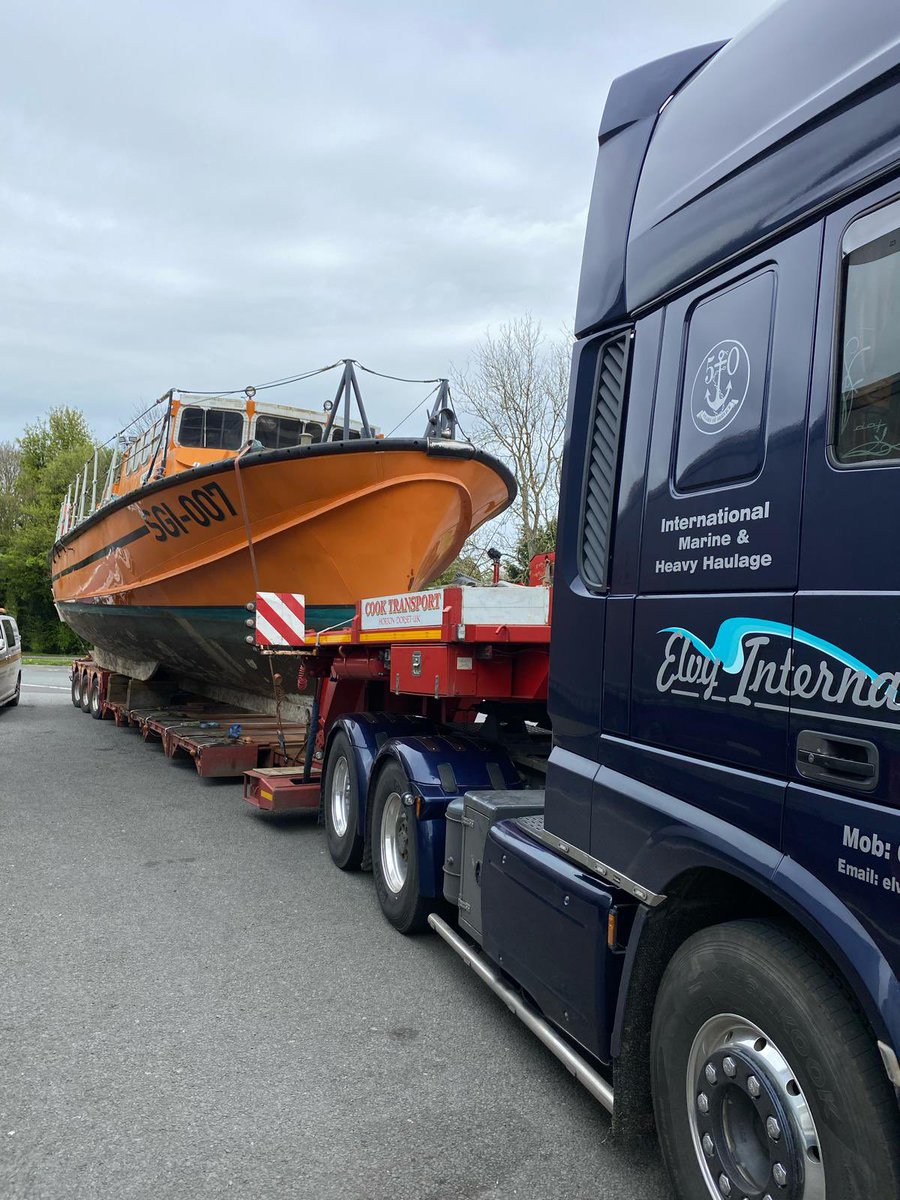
(395, 853)
(17, 693)
(76, 688)
(341, 803)
(96, 708)
(766, 1083)
(86, 692)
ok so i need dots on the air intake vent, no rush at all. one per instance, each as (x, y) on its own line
(603, 454)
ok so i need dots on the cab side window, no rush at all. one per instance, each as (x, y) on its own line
(866, 426)
(9, 633)
(721, 428)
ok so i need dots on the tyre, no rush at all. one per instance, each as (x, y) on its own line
(86, 692)
(14, 700)
(94, 705)
(766, 1082)
(341, 804)
(395, 855)
(76, 688)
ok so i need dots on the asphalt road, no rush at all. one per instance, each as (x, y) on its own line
(196, 1003)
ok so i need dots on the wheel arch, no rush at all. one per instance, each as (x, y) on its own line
(367, 733)
(701, 897)
(440, 765)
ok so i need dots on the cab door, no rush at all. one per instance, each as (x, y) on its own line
(718, 567)
(842, 820)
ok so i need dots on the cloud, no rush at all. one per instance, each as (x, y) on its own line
(209, 194)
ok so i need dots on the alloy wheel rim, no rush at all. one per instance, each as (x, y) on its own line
(340, 796)
(752, 1128)
(395, 843)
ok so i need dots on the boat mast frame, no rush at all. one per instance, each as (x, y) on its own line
(348, 389)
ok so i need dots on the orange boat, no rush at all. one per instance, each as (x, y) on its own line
(157, 570)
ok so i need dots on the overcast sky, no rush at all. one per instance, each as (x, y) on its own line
(209, 194)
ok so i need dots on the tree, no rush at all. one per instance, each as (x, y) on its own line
(543, 541)
(467, 566)
(514, 391)
(51, 452)
(10, 499)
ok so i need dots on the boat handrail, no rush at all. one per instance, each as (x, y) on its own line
(82, 500)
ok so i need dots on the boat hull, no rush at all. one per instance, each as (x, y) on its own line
(165, 573)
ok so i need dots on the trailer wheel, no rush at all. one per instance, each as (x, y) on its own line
(76, 688)
(766, 1082)
(341, 802)
(86, 692)
(96, 708)
(395, 853)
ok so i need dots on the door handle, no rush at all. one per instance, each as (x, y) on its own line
(846, 766)
(823, 757)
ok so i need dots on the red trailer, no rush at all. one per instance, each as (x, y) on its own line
(444, 655)
(451, 657)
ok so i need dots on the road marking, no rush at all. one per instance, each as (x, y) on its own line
(46, 687)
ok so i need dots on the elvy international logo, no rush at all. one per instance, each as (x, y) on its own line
(751, 660)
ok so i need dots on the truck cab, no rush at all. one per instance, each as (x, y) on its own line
(707, 902)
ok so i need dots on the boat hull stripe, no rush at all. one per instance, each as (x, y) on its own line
(140, 532)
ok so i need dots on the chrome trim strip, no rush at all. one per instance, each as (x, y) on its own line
(607, 873)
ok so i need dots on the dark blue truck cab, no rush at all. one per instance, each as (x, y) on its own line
(703, 904)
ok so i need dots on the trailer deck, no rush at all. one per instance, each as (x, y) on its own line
(220, 740)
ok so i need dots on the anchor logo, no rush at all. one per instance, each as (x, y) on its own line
(720, 386)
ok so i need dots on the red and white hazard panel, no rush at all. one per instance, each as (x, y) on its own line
(280, 619)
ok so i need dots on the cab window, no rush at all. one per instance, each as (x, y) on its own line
(212, 428)
(721, 433)
(9, 633)
(867, 413)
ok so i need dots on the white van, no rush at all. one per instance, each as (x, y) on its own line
(10, 660)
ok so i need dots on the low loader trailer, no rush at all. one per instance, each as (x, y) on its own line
(221, 740)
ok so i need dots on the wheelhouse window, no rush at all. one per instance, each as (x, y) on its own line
(275, 433)
(211, 428)
(278, 433)
(867, 416)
